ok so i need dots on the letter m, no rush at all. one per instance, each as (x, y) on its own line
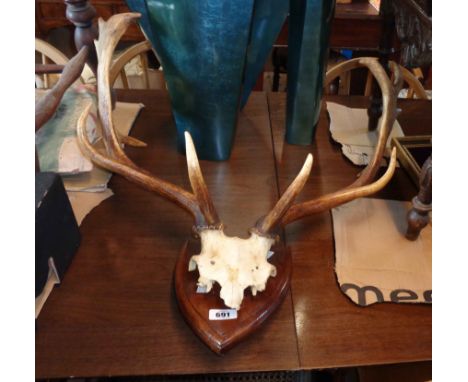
(361, 292)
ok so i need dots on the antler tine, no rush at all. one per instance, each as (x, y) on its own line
(137, 175)
(266, 224)
(198, 183)
(110, 32)
(361, 186)
(346, 195)
(115, 160)
(387, 119)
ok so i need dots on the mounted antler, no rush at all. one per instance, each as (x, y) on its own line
(234, 263)
(198, 204)
(362, 186)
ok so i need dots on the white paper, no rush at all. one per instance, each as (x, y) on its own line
(349, 127)
(222, 314)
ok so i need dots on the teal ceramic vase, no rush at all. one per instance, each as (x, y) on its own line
(308, 43)
(206, 49)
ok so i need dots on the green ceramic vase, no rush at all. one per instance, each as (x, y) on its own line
(308, 44)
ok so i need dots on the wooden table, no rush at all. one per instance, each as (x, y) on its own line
(115, 312)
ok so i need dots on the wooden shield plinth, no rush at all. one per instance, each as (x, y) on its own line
(222, 335)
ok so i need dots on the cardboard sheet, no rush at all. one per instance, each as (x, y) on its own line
(348, 127)
(374, 260)
(84, 202)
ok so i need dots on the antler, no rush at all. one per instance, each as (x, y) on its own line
(199, 203)
(284, 212)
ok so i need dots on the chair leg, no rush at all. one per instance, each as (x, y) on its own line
(369, 80)
(45, 75)
(345, 84)
(123, 76)
(418, 216)
(144, 64)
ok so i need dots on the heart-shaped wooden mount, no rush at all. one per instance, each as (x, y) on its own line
(222, 335)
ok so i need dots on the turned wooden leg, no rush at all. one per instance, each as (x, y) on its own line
(418, 216)
(374, 111)
(81, 13)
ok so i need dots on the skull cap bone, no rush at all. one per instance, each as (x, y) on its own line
(234, 263)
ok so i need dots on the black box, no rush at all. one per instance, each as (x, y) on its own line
(57, 233)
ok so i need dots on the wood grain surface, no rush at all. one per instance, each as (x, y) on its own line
(116, 314)
(331, 330)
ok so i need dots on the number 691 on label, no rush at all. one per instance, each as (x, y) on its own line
(222, 314)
